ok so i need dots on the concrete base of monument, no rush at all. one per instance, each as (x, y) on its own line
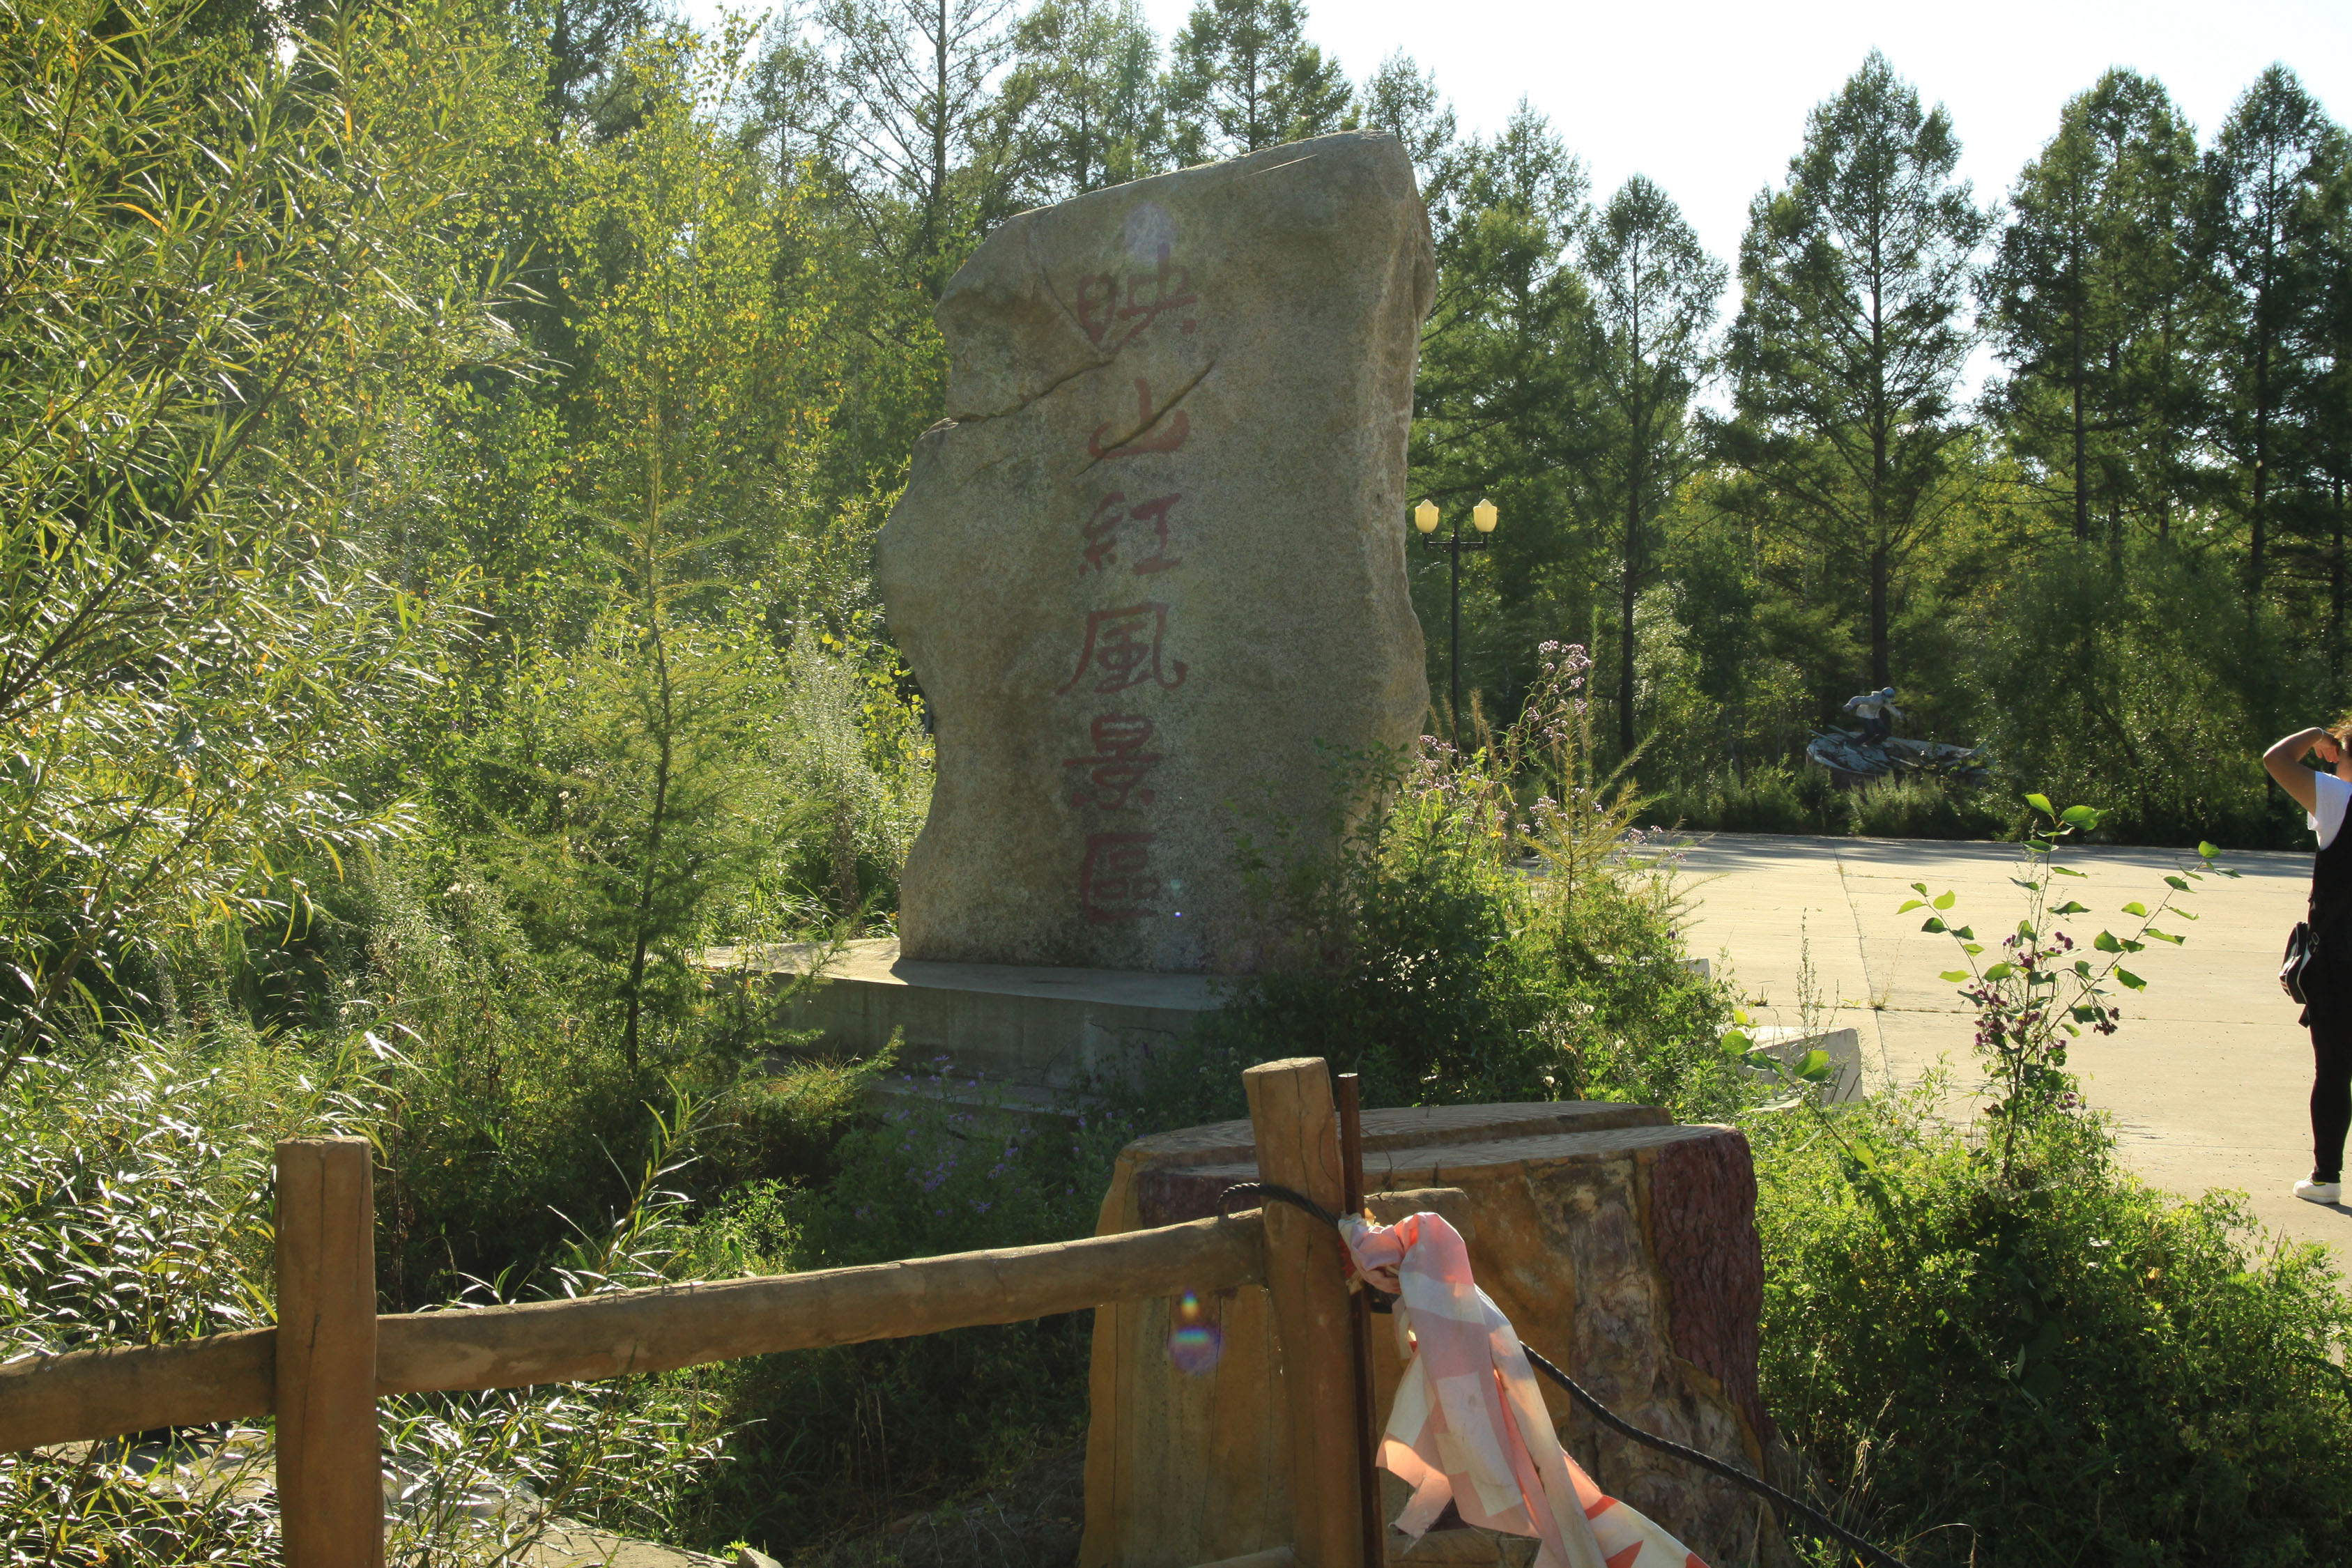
(1006, 1035)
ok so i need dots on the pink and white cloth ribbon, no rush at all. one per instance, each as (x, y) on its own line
(1469, 1425)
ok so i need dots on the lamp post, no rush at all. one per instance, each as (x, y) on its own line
(1482, 518)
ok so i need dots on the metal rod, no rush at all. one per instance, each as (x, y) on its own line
(1453, 659)
(1351, 1188)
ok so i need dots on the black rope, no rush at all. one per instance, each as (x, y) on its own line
(1279, 1194)
(1383, 1301)
(1757, 1484)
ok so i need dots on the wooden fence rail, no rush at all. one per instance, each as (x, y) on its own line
(332, 1356)
(226, 1377)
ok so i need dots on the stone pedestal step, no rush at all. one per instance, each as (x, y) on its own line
(1015, 1034)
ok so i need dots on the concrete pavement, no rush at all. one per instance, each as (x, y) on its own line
(2207, 1078)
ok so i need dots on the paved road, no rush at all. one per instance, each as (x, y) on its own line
(2208, 1076)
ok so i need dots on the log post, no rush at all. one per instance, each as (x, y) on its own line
(1299, 1147)
(1359, 1333)
(329, 1467)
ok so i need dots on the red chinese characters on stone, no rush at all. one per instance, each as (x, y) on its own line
(1115, 773)
(1115, 880)
(1101, 532)
(1123, 649)
(1171, 434)
(1149, 295)
(1098, 296)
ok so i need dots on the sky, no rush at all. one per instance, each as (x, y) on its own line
(1709, 99)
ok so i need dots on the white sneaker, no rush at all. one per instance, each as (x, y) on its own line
(2312, 1192)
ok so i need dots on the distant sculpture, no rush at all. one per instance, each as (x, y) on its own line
(1871, 708)
(1150, 572)
(1876, 752)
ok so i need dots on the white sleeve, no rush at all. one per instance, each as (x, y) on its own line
(2334, 795)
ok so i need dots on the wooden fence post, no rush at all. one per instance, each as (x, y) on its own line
(1299, 1147)
(330, 1466)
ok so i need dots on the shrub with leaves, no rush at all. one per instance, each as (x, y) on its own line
(220, 266)
(134, 1209)
(1996, 1346)
(1490, 927)
(2058, 1365)
(2040, 991)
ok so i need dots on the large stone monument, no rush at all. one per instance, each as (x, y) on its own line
(1150, 570)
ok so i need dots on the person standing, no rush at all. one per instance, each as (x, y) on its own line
(2324, 796)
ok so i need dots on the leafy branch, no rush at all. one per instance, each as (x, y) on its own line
(2040, 989)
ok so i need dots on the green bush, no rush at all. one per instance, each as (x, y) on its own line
(134, 1205)
(1996, 1342)
(2069, 1367)
(1463, 942)
(1771, 798)
(1802, 799)
(830, 1438)
(1925, 806)
(2153, 689)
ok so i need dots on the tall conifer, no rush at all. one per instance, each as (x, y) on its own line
(1654, 294)
(1242, 76)
(2264, 177)
(1081, 107)
(1850, 340)
(2088, 298)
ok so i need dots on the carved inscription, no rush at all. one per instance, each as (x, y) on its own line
(1125, 648)
(1116, 770)
(1149, 294)
(1102, 534)
(1169, 435)
(1115, 880)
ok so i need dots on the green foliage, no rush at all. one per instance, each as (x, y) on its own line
(1777, 798)
(2037, 987)
(1995, 1345)
(513, 1122)
(1847, 351)
(1924, 805)
(2262, 232)
(2065, 1366)
(2091, 290)
(833, 1435)
(2138, 704)
(208, 256)
(1653, 300)
(134, 1182)
(1774, 798)
(1084, 101)
(1423, 954)
(1242, 76)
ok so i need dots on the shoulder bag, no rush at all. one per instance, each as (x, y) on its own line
(2295, 968)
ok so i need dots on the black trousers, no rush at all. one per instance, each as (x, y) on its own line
(2329, 1017)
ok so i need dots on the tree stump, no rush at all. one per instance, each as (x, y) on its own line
(1621, 1246)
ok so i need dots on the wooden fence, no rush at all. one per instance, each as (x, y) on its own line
(332, 1356)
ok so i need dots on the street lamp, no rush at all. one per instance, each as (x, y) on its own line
(1482, 518)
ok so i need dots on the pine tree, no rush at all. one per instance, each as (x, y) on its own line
(2263, 178)
(1849, 341)
(2088, 298)
(1081, 106)
(2324, 409)
(639, 796)
(913, 124)
(1242, 76)
(1504, 405)
(1654, 291)
(1401, 99)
